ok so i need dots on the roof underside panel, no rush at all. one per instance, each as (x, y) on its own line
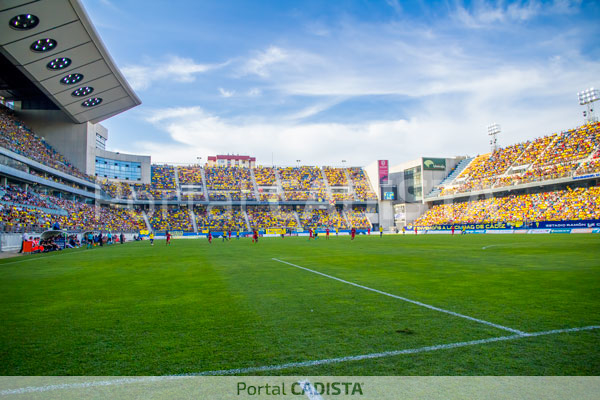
(65, 22)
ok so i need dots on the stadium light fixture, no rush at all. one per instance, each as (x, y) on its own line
(24, 22)
(82, 91)
(91, 102)
(493, 131)
(59, 63)
(587, 98)
(71, 79)
(42, 45)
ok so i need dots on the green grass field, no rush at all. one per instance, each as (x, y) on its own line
(192, 307)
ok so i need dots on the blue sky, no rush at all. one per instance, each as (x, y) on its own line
(325, 81)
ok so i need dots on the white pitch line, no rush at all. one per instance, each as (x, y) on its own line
(481, 321)
(303, 364)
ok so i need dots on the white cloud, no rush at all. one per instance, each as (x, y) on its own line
(484, 14)
(226, 93)
(436, 128)
(174, 69)
(396, 6)
(254, 92)
(261, 62)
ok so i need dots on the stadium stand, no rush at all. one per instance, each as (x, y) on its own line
(303, 183)
(336, 176)
(361, 184)
(261, 217)
(357, 218)
(190, 175)
(16, 137)
(265, 176)
(20, 215)
(229, 183)
(171, 219)
(550, 157)
(116, 189)
(568, 204)
(311, 217)
(220, 218)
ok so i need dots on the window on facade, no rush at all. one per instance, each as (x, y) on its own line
(124, 170)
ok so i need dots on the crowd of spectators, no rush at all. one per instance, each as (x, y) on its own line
(116, 189)
(16, 194)
(550, 157)
(568, 204)
(16, 218)
(54, 178)
(16, 137)
(265, 176)
(190, 175)
(231, 195)
(342, 196)
(192, 196)
(303, 183)
(220, 218)
(336, 176)
(149, 192)
(591, 166)
(357, 218)
(312, 218)
(171, 219)
(163, 177)
(361, 184)
(268, 196)
(81, 216)
(262, 217)
(229, 184)
(228, 178)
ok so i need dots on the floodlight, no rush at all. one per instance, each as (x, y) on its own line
(493, 131)
(586, 98)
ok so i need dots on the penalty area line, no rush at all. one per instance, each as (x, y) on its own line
(418, 303)
(302, 364)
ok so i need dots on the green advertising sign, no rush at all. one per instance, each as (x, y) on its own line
(434, 164)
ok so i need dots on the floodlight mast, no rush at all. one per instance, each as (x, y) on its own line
(587, 98)
(493, 131)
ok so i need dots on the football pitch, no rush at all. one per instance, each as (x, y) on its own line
(397, 305)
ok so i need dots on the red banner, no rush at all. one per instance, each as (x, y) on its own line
(383, 171)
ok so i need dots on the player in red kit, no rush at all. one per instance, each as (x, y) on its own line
(209, 237)
(353, 233)
(168, 238)
(327, 233)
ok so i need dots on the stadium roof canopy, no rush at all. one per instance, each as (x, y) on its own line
(51, 57)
